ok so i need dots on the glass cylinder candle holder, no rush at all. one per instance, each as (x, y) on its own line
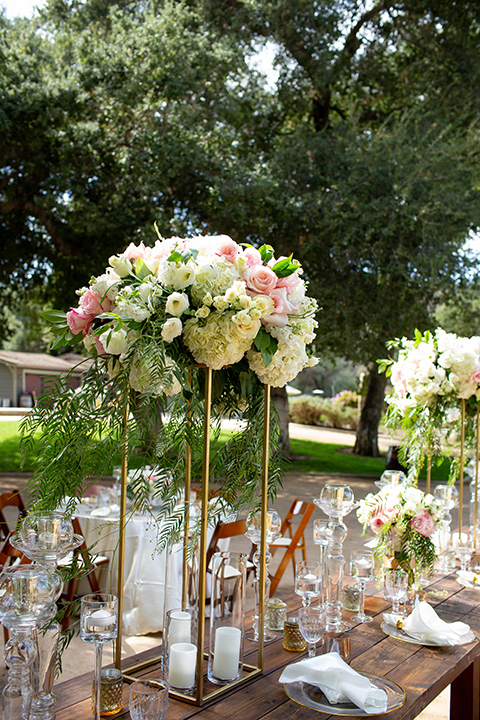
(227, 615)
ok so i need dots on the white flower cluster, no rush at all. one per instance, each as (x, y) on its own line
(444, 365)
(208, 296)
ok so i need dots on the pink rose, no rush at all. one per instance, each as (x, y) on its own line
(260, 279)
(282, 309)
(289, 282)
(423, 524)
(99, 345)
(78, 321)
(475, 379)
(133, 251)
(378, 521)
(228, 248)
(92, 304)
(252, 256)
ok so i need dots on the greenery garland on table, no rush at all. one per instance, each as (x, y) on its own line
(147, 321)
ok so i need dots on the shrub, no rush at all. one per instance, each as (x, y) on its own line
(329, 412)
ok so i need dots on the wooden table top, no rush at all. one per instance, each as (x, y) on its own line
(423, 672)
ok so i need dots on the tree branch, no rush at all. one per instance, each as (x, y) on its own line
(54, 230)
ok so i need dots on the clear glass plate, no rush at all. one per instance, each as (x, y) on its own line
(401, 635)
(312, 697)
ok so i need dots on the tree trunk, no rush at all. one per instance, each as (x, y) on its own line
(367, 432)
(280, 400)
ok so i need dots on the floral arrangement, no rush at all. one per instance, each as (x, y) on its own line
(430, 378)
(150, 322)
(404, 519)
(205, 300)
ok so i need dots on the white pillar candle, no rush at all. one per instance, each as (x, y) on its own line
(182, 664)
(180, 627)
(100, 618)
(227, 653)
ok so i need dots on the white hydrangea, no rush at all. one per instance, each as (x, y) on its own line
(217, 341)
(106, 285)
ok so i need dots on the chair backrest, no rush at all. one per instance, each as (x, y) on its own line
(13, 499)
(223, 531)
(297, 508)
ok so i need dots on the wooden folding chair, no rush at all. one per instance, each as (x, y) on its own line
(11, 498)
(89, 563)
(222, 532)
(291, 539)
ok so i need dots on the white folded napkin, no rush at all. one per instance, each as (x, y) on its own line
(424, 625)
(105, 511)
(468, 578)
(338, 681)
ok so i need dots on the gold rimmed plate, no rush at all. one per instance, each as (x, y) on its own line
(468, 579)
(312, 697)
(399, 634)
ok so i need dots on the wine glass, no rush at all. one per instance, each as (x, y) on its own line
(308, 581)
(396, 586)
(98, 624)
(464, 552)
(311, 623)
(148, 699)
(362, 568)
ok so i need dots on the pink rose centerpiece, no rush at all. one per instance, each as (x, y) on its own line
(208, 300)
(403, 518)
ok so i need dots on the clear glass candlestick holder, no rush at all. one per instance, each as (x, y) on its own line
(308, 581)
(362, 566)
(98, 625)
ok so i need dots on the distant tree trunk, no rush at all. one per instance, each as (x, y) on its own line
(367, 432)
(280, 399)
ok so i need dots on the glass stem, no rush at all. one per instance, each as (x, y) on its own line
(311, 650)
(98, 670)
(361, 598)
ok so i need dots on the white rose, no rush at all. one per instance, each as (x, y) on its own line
(202, 312)
(220, 303)
(115, 343)
(171, 328)
(176, 304)
(183, 276)
(121, 265)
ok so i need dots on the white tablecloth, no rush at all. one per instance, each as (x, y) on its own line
(144, 568)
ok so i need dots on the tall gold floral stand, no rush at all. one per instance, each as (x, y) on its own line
(250, 671)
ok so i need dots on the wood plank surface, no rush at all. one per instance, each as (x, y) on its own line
(423, 672)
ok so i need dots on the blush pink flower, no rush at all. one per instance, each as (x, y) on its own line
(423, 524)
(282, 308)
(133, 251)
(78, 321)
(290, 282)
(252, 256)
(92, 304)
(475, 378)
(260, 279)
(378, 521)
(228, 248)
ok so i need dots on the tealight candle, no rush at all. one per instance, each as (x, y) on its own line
(100, 618)
(227, 653)
(179, 629)
(310, 577)
(182, 664)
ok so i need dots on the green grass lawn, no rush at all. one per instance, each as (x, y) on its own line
(306, 457)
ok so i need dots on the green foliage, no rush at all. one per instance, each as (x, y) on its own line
(323, 411)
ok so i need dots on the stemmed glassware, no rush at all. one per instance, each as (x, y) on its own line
(254, 533)
(308, 581)
(98, 624)
(311, 623)
(336, 500)
(396, 586)
(320, 539)
(148, 699)
(447, 497)
(362, 566)
(464, 552)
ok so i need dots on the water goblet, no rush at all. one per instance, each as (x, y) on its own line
(148, 699)
(98, 624)
(396, 586)
(464, 552)
(308, 581)
(362, 568)
(311, 623)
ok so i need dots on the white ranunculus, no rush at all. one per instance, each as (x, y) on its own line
(121, 265)
(176, 304)
(183, 276)
(171, 329)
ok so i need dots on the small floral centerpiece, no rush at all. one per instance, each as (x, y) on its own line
(404, 519)
(432, 376)
(148, 322)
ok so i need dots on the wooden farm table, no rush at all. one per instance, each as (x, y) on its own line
(423, 672)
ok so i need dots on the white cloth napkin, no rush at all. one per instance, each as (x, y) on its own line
(105, 511)
(338, 681)
(423, 624)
